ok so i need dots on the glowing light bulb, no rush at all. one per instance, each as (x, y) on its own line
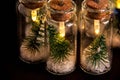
(82, 26)
(97, 26)
(62, 29)
(34, 15)
(118, 4)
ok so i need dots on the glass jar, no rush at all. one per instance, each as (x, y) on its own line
(32, 38)
(95, 37)
(62, 37)
(116, 24)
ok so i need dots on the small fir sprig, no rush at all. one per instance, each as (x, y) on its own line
(59, 47)
(97, 51)
(34, 41)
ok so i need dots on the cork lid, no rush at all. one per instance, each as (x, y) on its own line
(61, 5)
(61, 10)
(33, 4)
(97, 4)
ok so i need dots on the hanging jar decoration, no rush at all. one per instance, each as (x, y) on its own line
(96, 36)
(116, 31)
(116, 24)
(32, 30)
(62, 36)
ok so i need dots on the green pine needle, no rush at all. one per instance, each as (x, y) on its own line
(31, 42)
(59, 47)
(97, 51)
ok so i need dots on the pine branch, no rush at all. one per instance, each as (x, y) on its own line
(31, 44)
(36, 40)
(59, 47)
(97, 51)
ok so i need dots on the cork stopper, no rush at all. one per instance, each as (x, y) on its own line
(61, 5)
(33, 4)
(97, 4)
(61, 9)
(97, 9)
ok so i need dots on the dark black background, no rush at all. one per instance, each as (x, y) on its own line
(8, 37)
(14, 69)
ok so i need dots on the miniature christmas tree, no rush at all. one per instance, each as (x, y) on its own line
(36, 39)
(34, 45)
(97, 50)
(96, 56)
(58, 45)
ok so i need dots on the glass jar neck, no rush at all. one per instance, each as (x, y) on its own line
(61, 15)
(106, 9)
(33, 4)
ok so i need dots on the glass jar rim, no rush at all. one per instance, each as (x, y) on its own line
(34, 1)
(73, 9)
(109, 8)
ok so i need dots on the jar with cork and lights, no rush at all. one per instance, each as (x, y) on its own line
(31, 30)
(62, 33)
(96, 36)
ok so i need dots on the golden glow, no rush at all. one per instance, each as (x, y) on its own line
(62, 29)
(34, 15)
(118, 4)
(83, 26)
(97, 26)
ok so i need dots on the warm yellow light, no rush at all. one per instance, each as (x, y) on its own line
(97, 31)
(34, 15)
(118, 4)
(82, 26)
(62, 29)
(97, 26)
